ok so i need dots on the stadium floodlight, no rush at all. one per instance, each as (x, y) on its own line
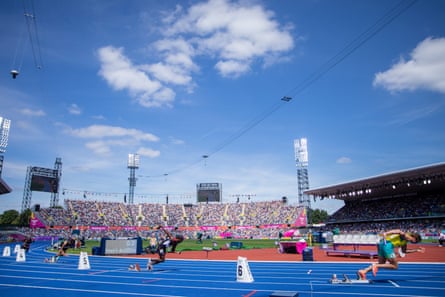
(5, 124)
(301, 153)
(133, 161)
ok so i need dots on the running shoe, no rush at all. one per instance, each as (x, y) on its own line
(361, 275)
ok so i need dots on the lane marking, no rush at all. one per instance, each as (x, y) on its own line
(250, 294)
(394, 283)
(105, 271)
(151, 280)
(88, 291)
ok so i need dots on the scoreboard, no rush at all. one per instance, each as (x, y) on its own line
(208, 192)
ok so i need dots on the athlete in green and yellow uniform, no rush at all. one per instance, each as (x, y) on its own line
(387, 257)
(386, 246)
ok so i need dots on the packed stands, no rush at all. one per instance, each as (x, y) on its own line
(410, 200)
(100, 213)
(246, 220)
(391, 208)
(416, 213)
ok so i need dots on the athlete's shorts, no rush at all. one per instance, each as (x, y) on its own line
(386, 250)
(166, 243)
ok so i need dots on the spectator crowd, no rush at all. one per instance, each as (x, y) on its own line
(100, 213)
(267, 219)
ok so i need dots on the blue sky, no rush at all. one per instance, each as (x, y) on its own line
(178, 80)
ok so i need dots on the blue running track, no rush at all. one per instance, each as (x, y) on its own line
(109, 276)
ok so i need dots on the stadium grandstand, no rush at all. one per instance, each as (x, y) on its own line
(4, 188)
(409, 199)
(243, 219)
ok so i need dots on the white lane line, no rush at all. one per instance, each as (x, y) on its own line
(394, 283)
(89, 291)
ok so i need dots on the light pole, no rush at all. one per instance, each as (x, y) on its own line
(133, 164)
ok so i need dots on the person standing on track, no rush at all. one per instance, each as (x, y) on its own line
(442, 238)
(169, 240)
(27, 243)
(387, 256)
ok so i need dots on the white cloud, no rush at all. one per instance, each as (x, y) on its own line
(178, 51)
(424, 70)
(169, 73)
(121, 74)
(105, 138)
(344, 160)
(74, 109)
(148, 152)
(176, 141)
(232, 68)
(234, 33)
(103, 131)
(99, 147)
(177, 65)
(31, 112)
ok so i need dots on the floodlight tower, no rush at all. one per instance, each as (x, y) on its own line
(133, 164)
(301, 160)
(27, 193)
(5, 124)
(58, 172)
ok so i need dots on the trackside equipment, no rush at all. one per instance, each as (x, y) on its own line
(347, 280)
(243, 273)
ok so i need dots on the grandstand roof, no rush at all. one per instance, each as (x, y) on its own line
(4, 188)
(396, 184)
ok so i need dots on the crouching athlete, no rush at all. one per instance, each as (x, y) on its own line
(163, 246)
(66, 244)
(387, 257)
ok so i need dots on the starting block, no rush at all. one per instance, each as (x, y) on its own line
(347, 280)
(52, 259)
(135, 267)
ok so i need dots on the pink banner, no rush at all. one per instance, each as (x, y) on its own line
(301, 221)
(225, 234)
(34, 222)
(289, 233)
(209, 228)
(99, 228)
